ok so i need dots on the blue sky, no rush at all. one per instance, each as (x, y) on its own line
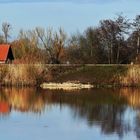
(72, 15)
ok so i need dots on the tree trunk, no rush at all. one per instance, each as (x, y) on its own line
(138, 44)
(111, 53)
(118, 53)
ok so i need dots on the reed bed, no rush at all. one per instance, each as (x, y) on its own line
(97, 75)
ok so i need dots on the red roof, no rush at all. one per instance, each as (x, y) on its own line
(4, 49)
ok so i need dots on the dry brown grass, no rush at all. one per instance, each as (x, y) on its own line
(22, 75)
(32, 74)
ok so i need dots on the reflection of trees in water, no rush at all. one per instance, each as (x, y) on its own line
(23, 100)
(132, 96)
(137, 125)
(113, 120)
(133, 99)
(109, 117)
(105, 108)
(102, 108)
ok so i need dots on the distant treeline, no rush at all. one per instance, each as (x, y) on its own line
(113, 41)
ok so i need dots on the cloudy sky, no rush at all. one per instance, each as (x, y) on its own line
(72, 15)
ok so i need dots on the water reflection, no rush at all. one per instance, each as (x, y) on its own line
(23, 100)
(105, 108)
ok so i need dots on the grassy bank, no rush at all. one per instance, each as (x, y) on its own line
(98, 75)
(21, 75)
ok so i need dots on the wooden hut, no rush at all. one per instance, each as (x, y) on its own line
(6, 54)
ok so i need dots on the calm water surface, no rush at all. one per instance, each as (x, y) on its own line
(98, 114)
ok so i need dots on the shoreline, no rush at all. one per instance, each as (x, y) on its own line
(66, 86)
(70, 76)
(80, 86)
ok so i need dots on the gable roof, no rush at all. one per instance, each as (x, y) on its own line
(4, 49)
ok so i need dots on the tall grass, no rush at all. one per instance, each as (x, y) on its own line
(100, 75)
(132, 77)
(21, 75)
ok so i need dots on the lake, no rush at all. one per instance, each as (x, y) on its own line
(100, 114)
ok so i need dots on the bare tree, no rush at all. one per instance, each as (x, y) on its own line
(53, 42)
(1, 39)
(6, 27)
(107, 31)
(136, 25)
(113, 35)
(123, 27)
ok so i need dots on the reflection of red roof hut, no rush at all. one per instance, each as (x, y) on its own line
(4, 108)
(6, 54)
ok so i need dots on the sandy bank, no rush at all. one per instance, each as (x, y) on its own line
(66, 86)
